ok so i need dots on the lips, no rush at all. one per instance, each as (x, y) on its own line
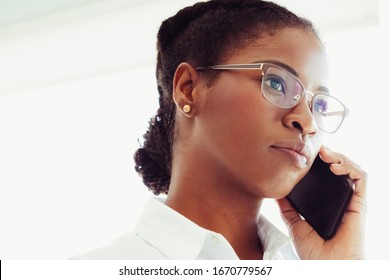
(296, 151)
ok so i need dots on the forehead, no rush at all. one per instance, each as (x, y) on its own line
(299, 49)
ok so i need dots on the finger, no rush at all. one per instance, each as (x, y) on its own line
(342, 165)
(330, 156)
(289, 214)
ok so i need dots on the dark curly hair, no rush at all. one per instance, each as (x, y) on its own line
(202, 34)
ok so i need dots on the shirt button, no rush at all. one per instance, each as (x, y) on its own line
(215, 239)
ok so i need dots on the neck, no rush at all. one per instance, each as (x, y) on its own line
(213, 201)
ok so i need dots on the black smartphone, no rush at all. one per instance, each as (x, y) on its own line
(321, 198)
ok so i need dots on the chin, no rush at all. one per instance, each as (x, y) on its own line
(283, 187)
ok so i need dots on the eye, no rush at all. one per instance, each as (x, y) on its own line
(275, 83)
(320, 105)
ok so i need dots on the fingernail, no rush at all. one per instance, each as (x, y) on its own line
(325, 148)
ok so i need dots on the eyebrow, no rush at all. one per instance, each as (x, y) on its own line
(323, 89)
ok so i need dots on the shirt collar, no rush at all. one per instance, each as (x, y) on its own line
(177, 237)
(170, 232)
(276, 245)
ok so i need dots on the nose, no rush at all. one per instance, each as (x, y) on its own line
(301, 119)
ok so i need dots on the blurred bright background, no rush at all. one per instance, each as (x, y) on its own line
(77, 88)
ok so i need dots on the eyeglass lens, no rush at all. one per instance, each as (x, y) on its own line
(328, 112)
(284, 90)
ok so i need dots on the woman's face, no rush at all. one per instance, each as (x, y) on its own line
(263, 149)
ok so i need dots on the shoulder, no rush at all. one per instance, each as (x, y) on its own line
(129, 246)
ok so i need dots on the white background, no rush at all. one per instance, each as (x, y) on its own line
(77, 88)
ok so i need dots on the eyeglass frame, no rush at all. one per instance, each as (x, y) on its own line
(259, 66)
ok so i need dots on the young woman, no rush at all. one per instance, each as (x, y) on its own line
(240, 85)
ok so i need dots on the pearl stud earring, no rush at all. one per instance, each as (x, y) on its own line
(186, 108)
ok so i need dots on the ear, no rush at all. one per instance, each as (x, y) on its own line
(184, 82)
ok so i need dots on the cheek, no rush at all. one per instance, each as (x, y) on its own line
(237, 113)
(234, 128)
(315, 143)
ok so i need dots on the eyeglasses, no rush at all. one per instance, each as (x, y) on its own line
(283, 89)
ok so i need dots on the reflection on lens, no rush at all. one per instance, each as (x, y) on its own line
(320, 105)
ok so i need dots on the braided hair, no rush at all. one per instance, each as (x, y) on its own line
(202, 34)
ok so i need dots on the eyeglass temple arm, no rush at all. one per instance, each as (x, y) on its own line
(335, 113)
(233, 67)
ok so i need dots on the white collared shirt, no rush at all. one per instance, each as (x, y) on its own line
(163, 233)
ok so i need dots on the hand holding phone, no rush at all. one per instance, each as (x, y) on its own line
(322, 198)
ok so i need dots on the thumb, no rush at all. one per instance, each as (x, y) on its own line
(296, 225)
